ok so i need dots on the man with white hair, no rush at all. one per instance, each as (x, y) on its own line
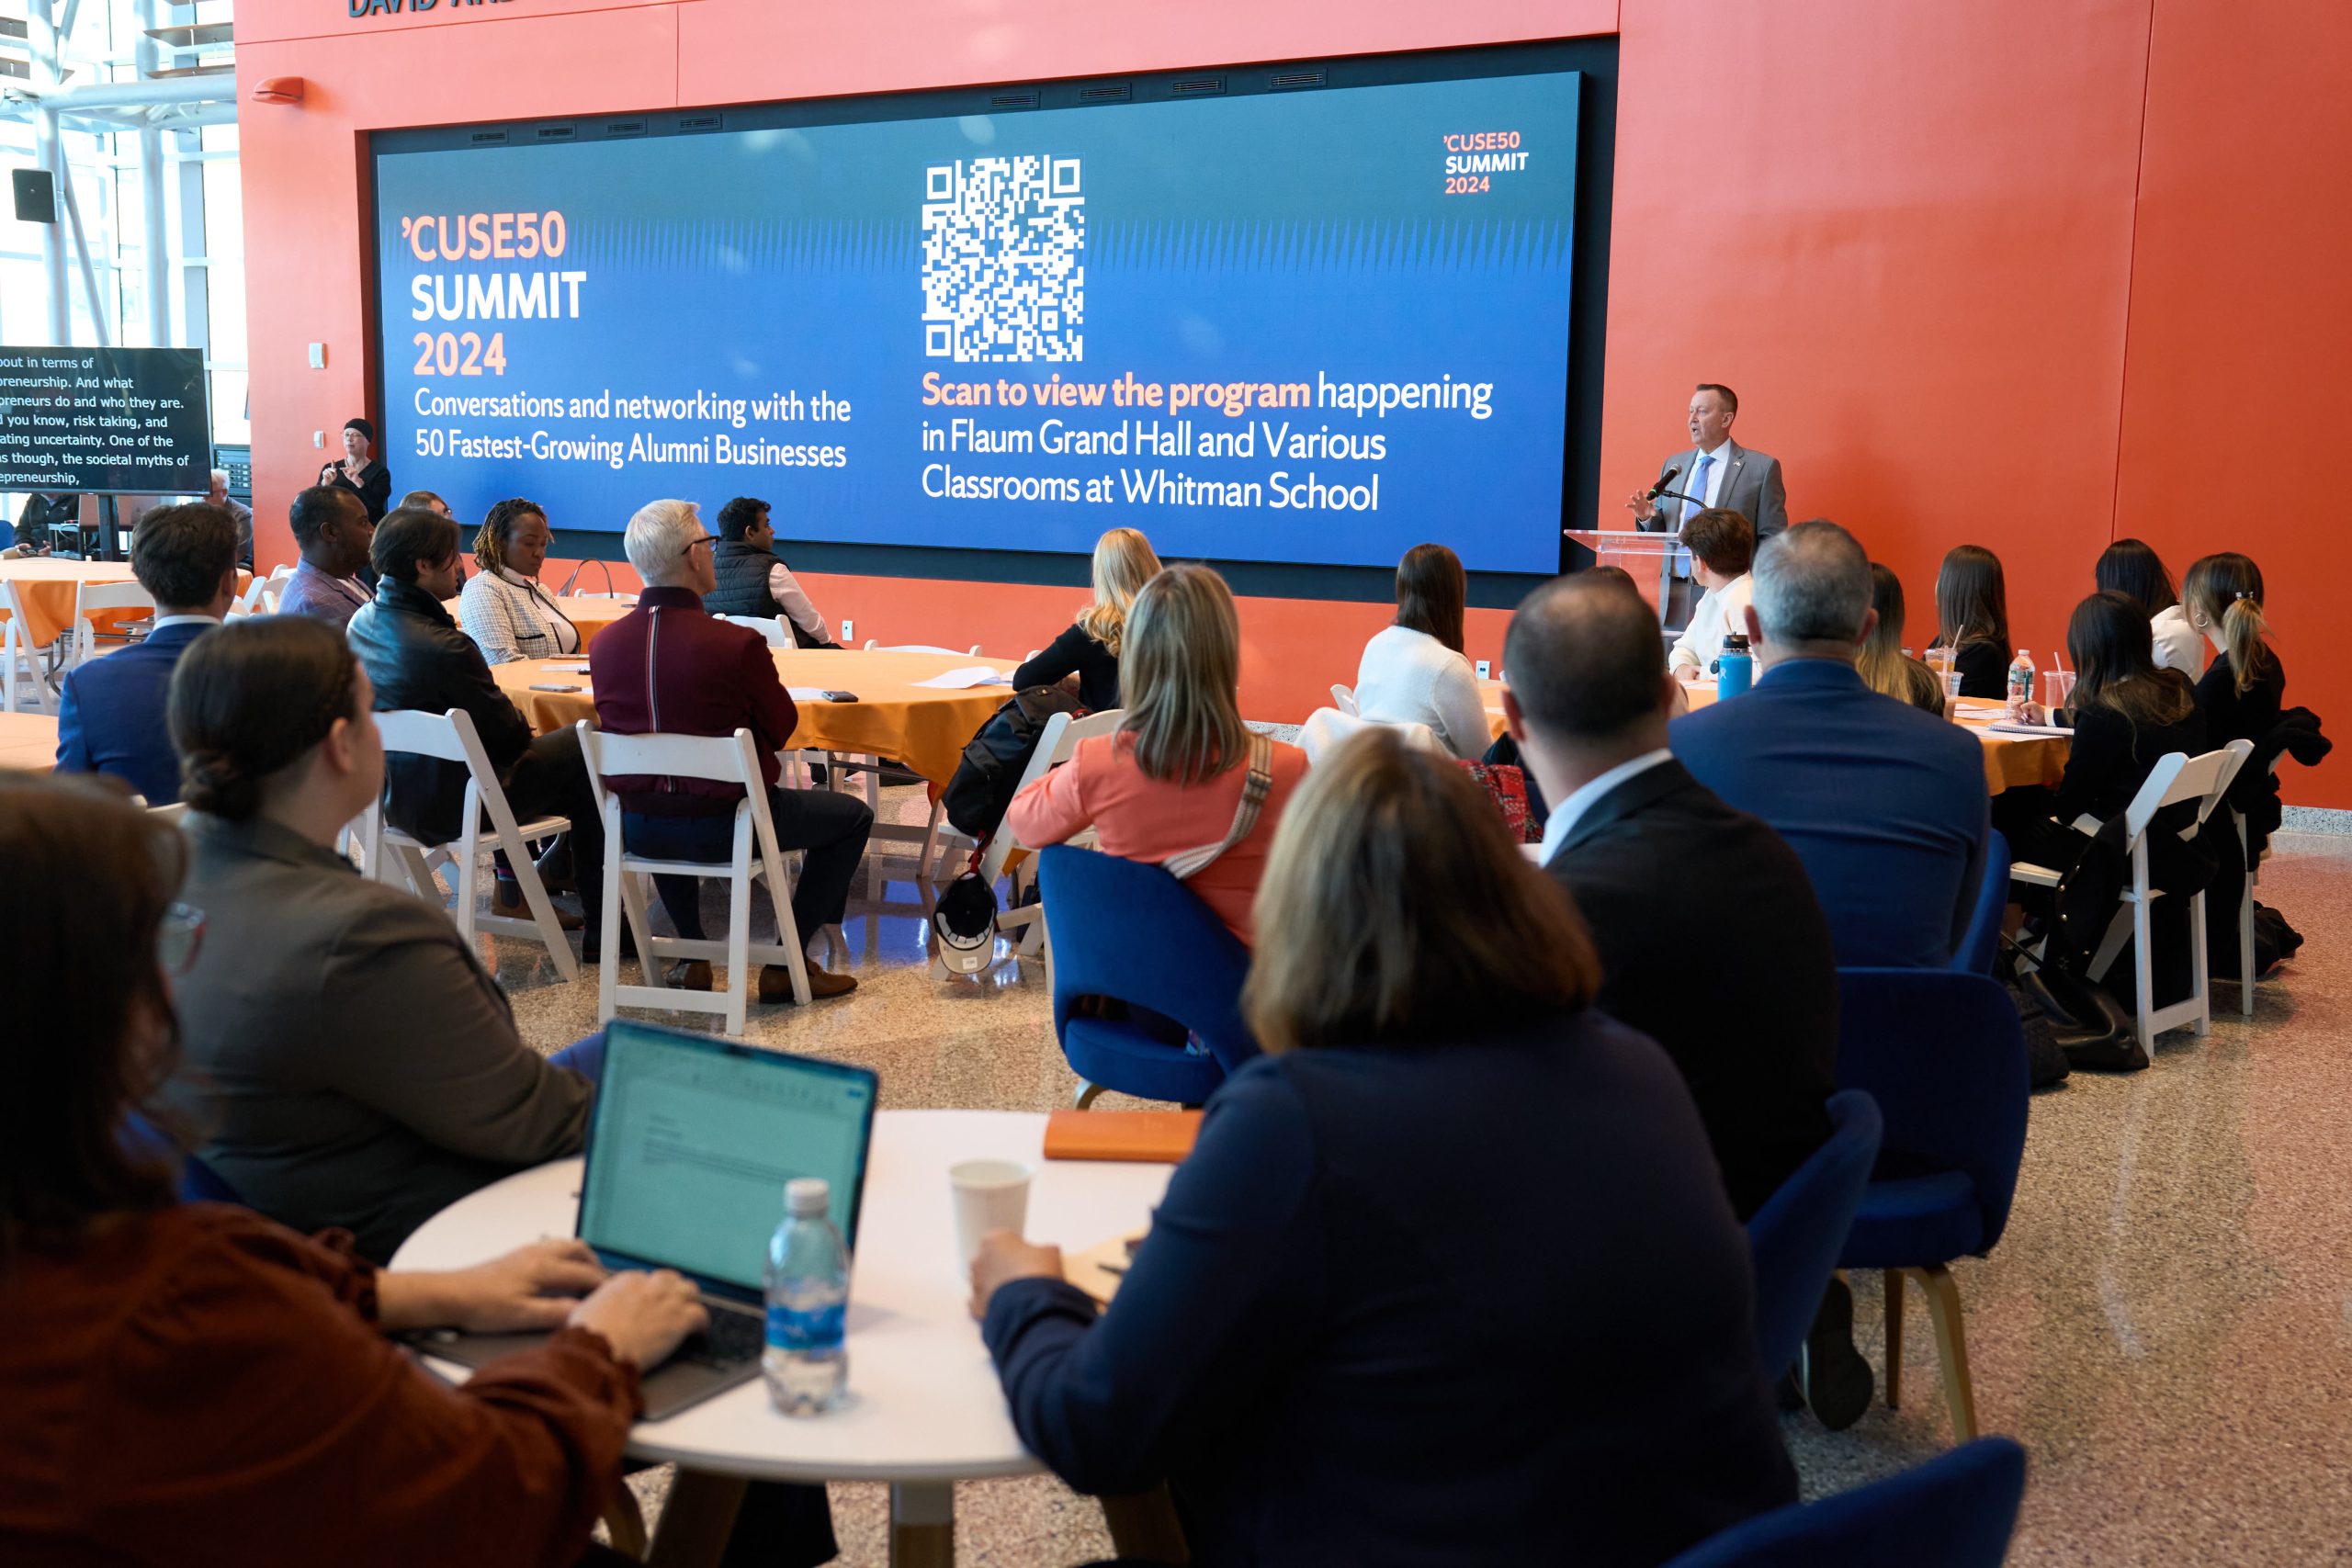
(1884, 803)
(218, 495)
(671, 666)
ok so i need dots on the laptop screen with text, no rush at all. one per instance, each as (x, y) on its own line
(694, 1140)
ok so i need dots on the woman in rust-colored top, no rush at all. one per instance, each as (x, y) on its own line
(193, 1384)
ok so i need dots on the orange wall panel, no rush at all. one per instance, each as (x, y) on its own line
(2241, 320)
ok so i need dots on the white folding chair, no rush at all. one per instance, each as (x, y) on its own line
(93, 599)
(451, 737)
(2253, 864)
(1344, 699)
(1056, 743)
(23, 662)
(731, 759)
(2175, 779)
(1326, 727)
(273, 587)
(249, 601)
(767, 626)
(174, 813)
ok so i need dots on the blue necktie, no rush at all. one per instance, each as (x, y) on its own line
(1697, 490)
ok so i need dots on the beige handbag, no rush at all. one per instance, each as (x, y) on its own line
(1255, 788)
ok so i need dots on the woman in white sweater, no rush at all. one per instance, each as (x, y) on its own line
(504, 609)
(1414, 673)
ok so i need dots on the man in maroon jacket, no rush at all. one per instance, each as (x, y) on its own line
(670, 666)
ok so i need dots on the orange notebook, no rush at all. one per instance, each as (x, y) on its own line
(1162, 1137)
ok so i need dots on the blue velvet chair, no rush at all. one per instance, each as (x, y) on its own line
(199, 1183)
(1795, 1237)
(1128, 931)
(1943, 1055)
(1955, 1511)
(1982, 943)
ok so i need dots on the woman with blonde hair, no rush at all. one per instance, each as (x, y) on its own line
(1365, 1326)
(2245, 687)
(1884, 665)
(1089, 647)
(1174, 779)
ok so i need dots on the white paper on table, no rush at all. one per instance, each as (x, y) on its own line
(966, 679)
(2012, 726)
(579, 668)
(809, 694)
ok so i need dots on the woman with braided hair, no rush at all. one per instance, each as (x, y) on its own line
(504, 609)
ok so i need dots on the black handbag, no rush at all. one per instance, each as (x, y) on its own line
(2089, 1028)
(995, 758)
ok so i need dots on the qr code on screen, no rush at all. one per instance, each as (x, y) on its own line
(1003, 260)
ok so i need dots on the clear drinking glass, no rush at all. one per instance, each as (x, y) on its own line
(2057, 691)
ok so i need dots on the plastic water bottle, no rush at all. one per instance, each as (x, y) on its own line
(2020, 684)
(1735, 667)
(807, 1359)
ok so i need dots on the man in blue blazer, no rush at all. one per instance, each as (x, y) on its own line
(1884, 803)
(111, 720)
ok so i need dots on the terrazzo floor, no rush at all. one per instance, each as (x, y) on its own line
(2167, 1325)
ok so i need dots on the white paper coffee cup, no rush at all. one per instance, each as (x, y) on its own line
(989, 1195)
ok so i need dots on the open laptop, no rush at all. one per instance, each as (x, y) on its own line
(691, 1143)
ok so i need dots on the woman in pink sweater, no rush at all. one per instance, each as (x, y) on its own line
(1170, 780)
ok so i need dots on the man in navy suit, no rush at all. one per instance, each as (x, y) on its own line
(111, 720)
(1884, 803)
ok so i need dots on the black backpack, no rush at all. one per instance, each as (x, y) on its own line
(995, 758)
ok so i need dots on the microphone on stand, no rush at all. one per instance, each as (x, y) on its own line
(1659, 489)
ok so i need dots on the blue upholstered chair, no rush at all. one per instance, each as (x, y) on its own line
(1982, 943)
(199, 1183)
(1795, 1237)
(1131, 932)
(1955, 1511)
(1943, 1055)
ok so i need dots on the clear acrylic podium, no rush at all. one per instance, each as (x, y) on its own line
(1649, 557)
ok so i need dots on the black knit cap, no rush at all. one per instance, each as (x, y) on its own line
(364, 428)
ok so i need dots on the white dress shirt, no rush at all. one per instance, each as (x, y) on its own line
(1718, 615)
(1718, 462)
(786, 589)
(2179, 646)
(1565, 815)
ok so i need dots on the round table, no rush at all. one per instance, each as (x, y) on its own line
(925, 1409)
(923, 726)
(590, 614)
(27, 740)
(45, 587)
(2011, 762)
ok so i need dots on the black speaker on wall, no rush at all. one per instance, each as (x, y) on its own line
(36, 193)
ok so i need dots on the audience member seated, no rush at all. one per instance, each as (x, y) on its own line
(1450, 1270)
(1972, 620)
(217, 493)
(1088, 646)
(1722, 546)
(2244, 690)
(505, 610)
(1886, 665)
(2134, 570)
(2127, 714)
(110, 717)
(751, 579)
(1886, 803)
(427, 498)
(1639, 844)
(417, 658)
(671, 657)
(192, 1382)
(349, 1063)
(1415, 672)
(333, 531)
(1171, 780)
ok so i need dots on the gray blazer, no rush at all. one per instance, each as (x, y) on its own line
(346, 1061)
(1752, 488)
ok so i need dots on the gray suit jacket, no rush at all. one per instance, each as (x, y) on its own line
(346, 1062)
(1752, 488)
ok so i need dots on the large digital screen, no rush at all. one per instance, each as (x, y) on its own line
(1314, 327)
(119, 420)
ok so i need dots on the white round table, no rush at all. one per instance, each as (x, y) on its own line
(924, 1408)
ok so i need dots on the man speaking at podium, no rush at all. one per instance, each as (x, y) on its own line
(1714, 470)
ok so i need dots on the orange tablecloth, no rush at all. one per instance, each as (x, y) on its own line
(27, 740)
(591, 615)
(922, 727)
(2011, 762)
(47, 586)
